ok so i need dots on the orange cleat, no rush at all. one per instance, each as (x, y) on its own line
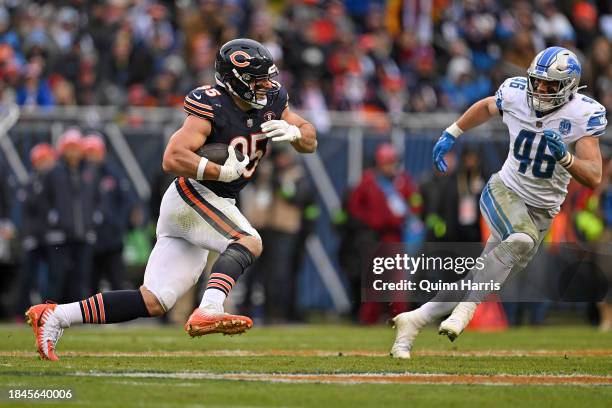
(47, 329)
(209, 320)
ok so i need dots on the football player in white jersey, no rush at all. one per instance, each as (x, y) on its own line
(554, 135)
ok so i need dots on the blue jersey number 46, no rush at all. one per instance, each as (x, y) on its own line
(543, 164)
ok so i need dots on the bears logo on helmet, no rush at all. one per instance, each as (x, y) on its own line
(241, 66)
(246, 57)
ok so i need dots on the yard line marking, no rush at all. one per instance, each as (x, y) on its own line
(323, 353)
(405, 378)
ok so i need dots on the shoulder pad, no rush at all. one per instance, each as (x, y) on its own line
(592, 115)
(283, 98)
(509, 91)
(197, 103)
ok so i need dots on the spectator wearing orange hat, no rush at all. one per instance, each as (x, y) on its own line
(42, 157)
(94, 148)
(70, 193)
(70, 147)
(110, 216)
(34, 265)
(383, 201)
(584, 16)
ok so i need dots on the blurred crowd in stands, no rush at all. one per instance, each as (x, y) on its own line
(389, 56)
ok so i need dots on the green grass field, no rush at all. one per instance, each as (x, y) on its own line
(161, 366)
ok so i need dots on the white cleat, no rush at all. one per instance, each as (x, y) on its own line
(406, 330)
(454, 325)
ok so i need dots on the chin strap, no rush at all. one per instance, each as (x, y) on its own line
(228, 87)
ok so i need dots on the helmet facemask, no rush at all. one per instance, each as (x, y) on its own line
(252, 89)
(556, 95)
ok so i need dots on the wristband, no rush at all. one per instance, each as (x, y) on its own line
(201, 168)
(454, 130)
(567, 160)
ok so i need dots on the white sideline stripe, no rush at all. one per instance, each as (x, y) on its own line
(10, 153)
(370, 378)
(328, 273)
(321, 353)
(124, 153)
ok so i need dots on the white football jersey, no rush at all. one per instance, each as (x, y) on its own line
(530, 169)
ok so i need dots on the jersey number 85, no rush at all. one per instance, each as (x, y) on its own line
(251, 149)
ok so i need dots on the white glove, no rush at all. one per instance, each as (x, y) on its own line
(281, 131)
(232, 168)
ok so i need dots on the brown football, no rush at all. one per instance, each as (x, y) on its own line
(217, 152)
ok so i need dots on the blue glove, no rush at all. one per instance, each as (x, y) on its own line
(555, 144)
(443, 146)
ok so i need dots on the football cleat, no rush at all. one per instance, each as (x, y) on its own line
(406, 330)
(454, 325)
(209, 320)
(47, 329)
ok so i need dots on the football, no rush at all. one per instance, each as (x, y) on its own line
(217, 152)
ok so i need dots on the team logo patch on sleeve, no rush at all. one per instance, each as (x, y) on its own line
(565, 127)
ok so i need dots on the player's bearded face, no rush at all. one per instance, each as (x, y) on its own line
(261, 87)
(546, 90)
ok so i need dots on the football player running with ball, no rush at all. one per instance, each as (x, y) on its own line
(554, 133)
(245, 109)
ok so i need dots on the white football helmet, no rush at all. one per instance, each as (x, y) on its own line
(556, 64)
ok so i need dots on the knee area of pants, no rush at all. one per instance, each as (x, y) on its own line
(520, 243)
(156, 310)
(254, 245)
(161, 304)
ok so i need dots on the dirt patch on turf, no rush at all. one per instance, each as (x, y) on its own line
(323, 353)
(406, 378)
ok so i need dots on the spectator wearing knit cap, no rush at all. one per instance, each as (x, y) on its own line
(584, 17)
(110, 215)
(70, 193)
(33, 227)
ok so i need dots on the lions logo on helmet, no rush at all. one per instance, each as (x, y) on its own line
(560, 67)
(240, 65)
